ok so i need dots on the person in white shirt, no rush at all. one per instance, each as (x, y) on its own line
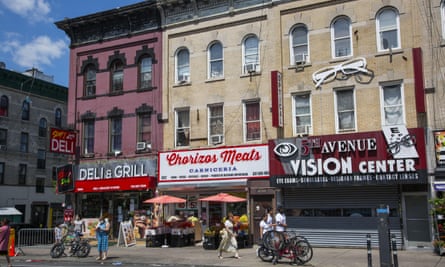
(265, 225)
(280, 220)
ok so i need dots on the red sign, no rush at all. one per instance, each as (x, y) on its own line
(277, 99)
(114, 184)
(62, 141)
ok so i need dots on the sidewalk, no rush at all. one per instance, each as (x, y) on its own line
(196, 256)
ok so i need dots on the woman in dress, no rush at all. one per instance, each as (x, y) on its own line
(228, 238)
(102, 229)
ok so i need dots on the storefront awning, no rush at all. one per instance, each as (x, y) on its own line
(203, 184)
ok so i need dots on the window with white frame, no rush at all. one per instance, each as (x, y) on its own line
(251, 53)
(392, 104)
(145, 72)
(116, 134)
(388, 29)
(442, 17)
(182, 127)
(341, 37)
(345, 110)
(299, 45)
(216, 64)
(216, 124)
(88, 136)
(182, 66)
(252, 122)
(90, 80)
(302, 113)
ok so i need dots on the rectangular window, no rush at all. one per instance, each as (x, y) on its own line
(216, 124)
(41, 159)
(302, 112)
(116, 134)
(2, 173)
(3, 139)
(393, 109)
(22, 174)
(345, 110)
(88, 137)
(144, 128)
(40, 185)
(24, 139)
(252, 123)
(182, 128)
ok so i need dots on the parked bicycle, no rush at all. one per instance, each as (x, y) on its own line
(288, 245)
(78, 246)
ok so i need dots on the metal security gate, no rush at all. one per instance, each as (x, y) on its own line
(341, 216)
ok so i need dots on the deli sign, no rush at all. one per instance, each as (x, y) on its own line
(62, 141)
(395, 155)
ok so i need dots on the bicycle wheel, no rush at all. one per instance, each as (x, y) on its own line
(83, 250)
(57, 251)
(303, 251)
(273, 240)
(265, 254)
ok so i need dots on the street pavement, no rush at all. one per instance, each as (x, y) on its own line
(197, 256)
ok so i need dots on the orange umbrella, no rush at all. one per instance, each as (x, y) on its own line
(223, 197)
(165, 199)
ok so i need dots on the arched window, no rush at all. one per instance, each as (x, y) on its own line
(43, 127)
(4, 106)
(183, 66)
(117, 76)
(299, 45)
(388, 29)
(341, 37)
(58, 117)
(145, 72)
(251, 53)
(90, 80)
(216, 66)
(26, 109)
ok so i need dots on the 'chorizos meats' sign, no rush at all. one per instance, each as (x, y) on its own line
(214, 164)
(394, 156)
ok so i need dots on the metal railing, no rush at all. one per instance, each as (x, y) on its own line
(34, 237)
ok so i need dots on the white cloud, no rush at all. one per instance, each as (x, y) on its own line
(33, 10)
(37, 53)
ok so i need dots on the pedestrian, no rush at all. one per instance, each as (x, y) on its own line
(79, 226)
(265, 225)
(280, 220)
(102, 229)
(228, 242)
(4, 240)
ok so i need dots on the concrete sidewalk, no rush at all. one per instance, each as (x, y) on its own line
(139, 255)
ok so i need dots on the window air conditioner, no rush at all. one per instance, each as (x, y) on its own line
(250, 68)
(140, 146)
(300, 59)
(216, 139)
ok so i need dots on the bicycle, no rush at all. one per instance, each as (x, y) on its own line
(78, 246)
(277, 245)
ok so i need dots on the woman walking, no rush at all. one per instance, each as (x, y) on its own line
(4, 240)
(102, 230)
(228, 241)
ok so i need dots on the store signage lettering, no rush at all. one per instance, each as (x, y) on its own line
(227, 156)
(359, 158)
(118, 171)
(62, 141)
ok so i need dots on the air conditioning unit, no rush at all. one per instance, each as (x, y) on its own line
(250, 68)
(183, 78)
(216, 139)
(300, 59)
(304, 130)
(3, 147)
(140, 146)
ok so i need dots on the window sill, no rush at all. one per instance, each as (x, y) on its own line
(211, 80)
(247, 75)
(180, 84)
(140, 90)
(86, 97)
(387, 53)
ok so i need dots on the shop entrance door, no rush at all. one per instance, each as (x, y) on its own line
(260, 204)
(417, 226)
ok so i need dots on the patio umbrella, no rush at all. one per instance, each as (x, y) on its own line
(165, 199)
(223, 197)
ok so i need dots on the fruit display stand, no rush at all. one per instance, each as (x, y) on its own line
(438, 212)
(211, 238)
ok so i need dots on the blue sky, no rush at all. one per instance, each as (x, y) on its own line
(29, 37)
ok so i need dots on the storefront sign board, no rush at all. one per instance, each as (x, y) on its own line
(393, 156)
